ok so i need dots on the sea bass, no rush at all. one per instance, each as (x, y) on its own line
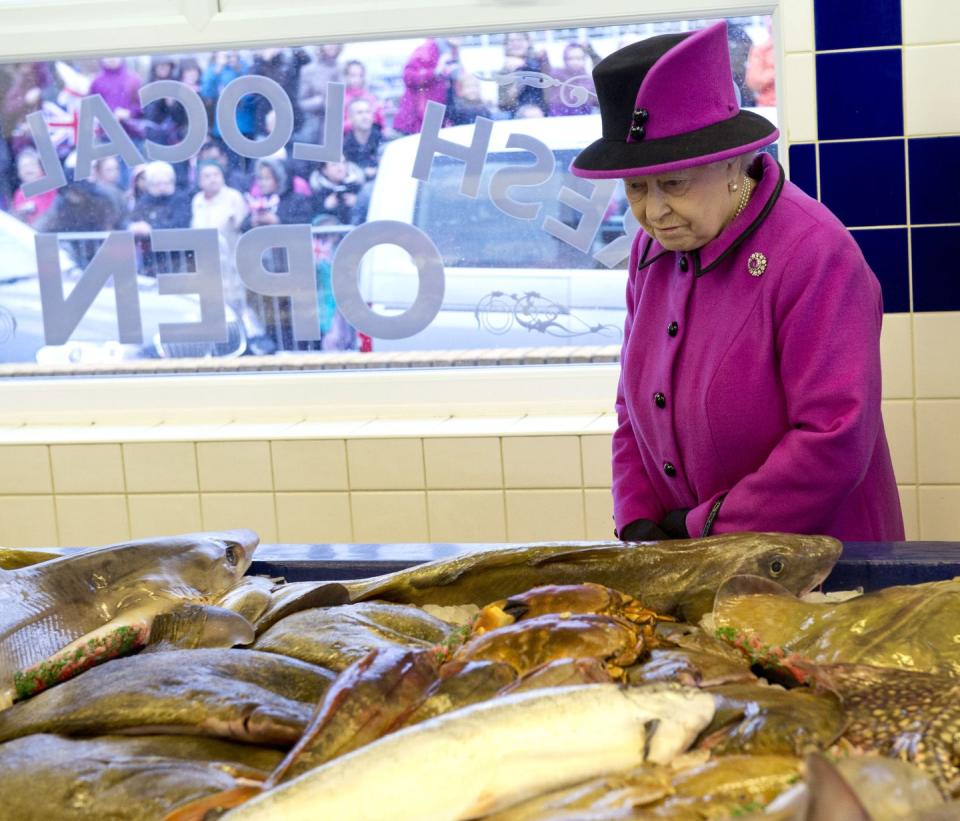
(487, 756)
(61, 616)
(678, 578)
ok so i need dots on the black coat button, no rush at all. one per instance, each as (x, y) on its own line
(669, 469)
(660, 399)
(684, 265)
(672, 328)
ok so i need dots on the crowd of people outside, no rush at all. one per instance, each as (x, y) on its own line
(221, 189)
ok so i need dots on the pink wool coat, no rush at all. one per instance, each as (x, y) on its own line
(756, 378)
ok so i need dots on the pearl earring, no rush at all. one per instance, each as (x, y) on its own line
(732, 186)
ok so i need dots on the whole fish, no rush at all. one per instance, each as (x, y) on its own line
(260, 698)
(487, 756)
(121, 779)
(336, 637)
(678, 578)
(914, 627)
(62, 616)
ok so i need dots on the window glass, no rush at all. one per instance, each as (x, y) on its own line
(398, 195)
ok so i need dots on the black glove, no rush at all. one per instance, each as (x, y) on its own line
(641, 530)
(674, 524)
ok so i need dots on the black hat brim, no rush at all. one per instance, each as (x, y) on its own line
(746, 131)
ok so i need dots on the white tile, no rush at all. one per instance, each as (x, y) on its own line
(938, 442)
(932, 94)
(937, 338)
(930, 21)
(911, 516)
(549, 424)
(477, 425)
(796, 18)
(899, 426)
(421, 426)
(800, 97)
(323, 428)
(896, 356)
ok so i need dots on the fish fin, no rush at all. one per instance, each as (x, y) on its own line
(745, 585)
(189, 626)
(649, 731)
(198, 809)
(321, 594)
(577, 554)
(830, 795)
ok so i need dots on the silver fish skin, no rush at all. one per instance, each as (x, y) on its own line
(478, 759)
(48, 606)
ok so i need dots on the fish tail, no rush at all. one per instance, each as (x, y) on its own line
(198, 809)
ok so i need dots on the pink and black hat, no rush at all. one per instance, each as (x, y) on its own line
(666, 103)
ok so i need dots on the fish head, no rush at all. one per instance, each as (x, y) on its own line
(797, 562)
(216, 561)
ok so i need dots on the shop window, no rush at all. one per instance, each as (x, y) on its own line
(407, 195)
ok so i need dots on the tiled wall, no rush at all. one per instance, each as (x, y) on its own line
(870, 108)
(872, 93)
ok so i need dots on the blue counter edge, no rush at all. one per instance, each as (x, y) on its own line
(867, 565)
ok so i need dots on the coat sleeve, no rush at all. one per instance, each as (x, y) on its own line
(633, 495)
(827, 316)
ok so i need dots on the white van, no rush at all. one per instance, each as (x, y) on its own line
(508, 283)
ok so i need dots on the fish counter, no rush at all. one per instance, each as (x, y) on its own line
(752, 675)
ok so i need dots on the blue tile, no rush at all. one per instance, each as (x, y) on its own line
(859, 94)
(934, 180)
(856, 23)
(885, 250)
(803, 167)
(864, 183)
(936, 287)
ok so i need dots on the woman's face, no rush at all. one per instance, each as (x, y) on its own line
(356, 76)
(684, 210)
(268, 182)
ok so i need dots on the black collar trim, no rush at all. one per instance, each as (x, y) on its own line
(644, 262)
(736, 242)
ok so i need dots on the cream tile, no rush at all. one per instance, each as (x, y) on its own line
(28, 521)
(553, 423)
(87, 468)
(164, 514)
(311, 518)
(477, 425)
(26, 469)
(797, 25)
(937, 337)
(385, 464)
(419, 426)
(899, 425)
(309, 464)
(938, 442)
(607, 423)
(896, 356)
(940, 513)
(391, 516)
(454, 463)
(87, 521)
(929, 106)
(545, 515)
(597, 469)
(542, 461)
(152, 467)
(908, 504)
(599, 511)
(467, 516)
(227, 466)
(223, 511)
(800, 97)
(930, 21)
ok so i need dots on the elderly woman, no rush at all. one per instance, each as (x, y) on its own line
(749, 395)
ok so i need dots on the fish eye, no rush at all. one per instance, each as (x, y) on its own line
(232, 556)
(776, 566)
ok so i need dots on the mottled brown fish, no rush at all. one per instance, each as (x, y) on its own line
(911, 716)
(260, 698)
(62, 616)
(678, 578)
(336, 637)
(46, 776)
(913, 627)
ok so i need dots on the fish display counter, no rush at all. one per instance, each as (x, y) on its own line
(748, 675)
